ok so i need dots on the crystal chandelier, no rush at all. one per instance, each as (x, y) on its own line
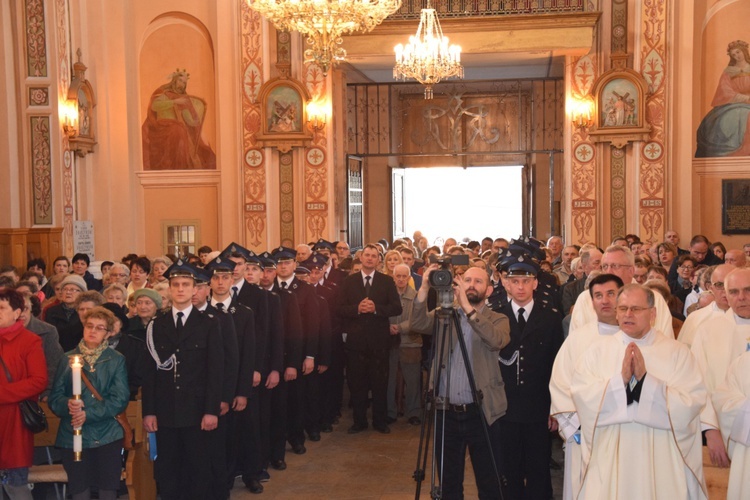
(324, 22)
(427, 57)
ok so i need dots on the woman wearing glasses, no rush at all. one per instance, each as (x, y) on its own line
(102, 435)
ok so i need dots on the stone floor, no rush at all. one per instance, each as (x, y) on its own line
(368, 465)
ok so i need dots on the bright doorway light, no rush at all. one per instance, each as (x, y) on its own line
(460, 203)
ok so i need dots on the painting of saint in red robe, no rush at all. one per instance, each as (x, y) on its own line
(724, 131)
(172, 129)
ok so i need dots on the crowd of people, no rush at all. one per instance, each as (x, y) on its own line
(633, 353)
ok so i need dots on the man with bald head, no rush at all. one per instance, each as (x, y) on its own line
(620, 261)
(449, 242)
(303, 252)
(717, 308)
(555, 246)
(485, 332)
(591, 258)
(735, 257)
(717, 343)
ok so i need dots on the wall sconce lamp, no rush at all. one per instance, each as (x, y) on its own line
(317, 114)
(582, 112)
(77, 112)
(69, 113)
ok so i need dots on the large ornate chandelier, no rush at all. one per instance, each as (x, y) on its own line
(427, 57)
(324, 22)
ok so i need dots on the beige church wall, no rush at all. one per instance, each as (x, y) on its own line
(178, 42)
(169, 204)
(717, 24)
(10, 159)
(115, 41)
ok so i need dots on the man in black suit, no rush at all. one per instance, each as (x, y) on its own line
(250, 295)
(219, 480)
(291, 358)
(242, 325)
(526, 364)
(331, 274)
(182, 389)
(368, 299)
(317, 404)
(308, 305)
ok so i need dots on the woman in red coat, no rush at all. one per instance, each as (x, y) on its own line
(22, 354)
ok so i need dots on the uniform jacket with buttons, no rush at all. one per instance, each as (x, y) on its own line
(180, 396)
(527, 379)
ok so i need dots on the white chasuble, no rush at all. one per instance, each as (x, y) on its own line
(649, 449)
(583, 312)
(562, 407)
(732, 403)
(717, 343)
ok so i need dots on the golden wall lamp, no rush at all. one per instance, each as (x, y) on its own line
(78, 112)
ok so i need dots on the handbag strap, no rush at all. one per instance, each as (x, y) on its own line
(90, 386)
(7, 373)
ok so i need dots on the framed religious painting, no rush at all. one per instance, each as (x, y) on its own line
(620, 108)
(283, 114)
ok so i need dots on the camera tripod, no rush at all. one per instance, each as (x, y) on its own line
(446, 324)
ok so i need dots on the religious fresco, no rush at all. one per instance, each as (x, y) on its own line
(724, 129)
(172, 131)
(619, 106)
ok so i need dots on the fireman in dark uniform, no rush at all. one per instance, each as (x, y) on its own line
(182, 389)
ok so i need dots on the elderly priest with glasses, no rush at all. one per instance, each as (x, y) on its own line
(639, 395)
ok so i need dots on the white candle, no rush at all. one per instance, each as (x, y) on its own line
(76, 367)
(77, 442)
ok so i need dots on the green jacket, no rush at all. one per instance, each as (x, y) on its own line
(110, 378)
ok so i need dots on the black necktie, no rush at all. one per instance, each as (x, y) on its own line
(521, 318)
(179, 323)
(220, 306)
(367, 285)
(234, 292)
(283, 285)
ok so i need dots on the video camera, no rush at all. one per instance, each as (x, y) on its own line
(442, 279)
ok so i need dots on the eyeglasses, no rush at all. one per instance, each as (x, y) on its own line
(633, 309)
(97, 328)
(71, 289)
(614, 267)
(687, 268)
(718, 284)
(117, 275)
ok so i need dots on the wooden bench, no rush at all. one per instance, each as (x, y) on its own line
(139, 470)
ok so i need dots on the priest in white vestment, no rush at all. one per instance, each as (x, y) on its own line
(712, 311)
(732, 402)
(638, 395)
(621, 262)
(603, 290)
(716, 344)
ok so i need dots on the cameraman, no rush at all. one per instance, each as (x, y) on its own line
(485, 332)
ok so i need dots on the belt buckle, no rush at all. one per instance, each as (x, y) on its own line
(460, 408)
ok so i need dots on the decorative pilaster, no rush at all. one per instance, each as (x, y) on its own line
(617, 197)
(63, 54)
(582, 74)
(41, 169)
(316, 161)
(652, 171)
(286, 159)
(254, 168)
